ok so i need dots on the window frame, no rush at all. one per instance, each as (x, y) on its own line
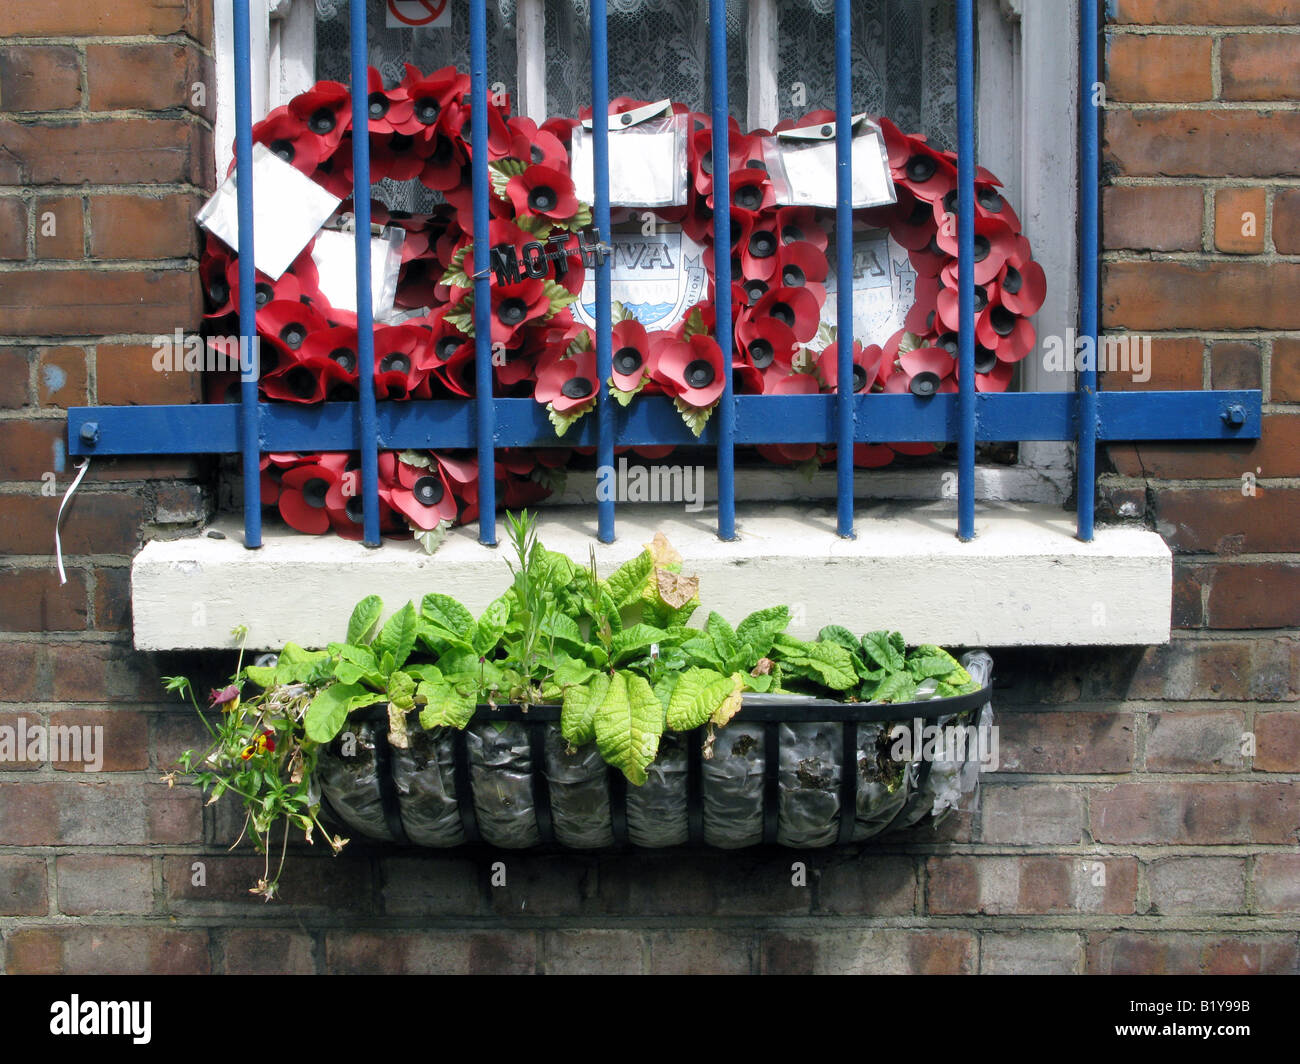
(1027, 53)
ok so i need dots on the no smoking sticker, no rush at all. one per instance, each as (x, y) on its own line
(404, 14)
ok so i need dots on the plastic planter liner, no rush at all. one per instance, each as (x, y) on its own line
(777, 775)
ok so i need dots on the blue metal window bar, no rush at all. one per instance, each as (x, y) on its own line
(1084, 416)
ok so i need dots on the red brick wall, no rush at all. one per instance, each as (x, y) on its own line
(1127, 830)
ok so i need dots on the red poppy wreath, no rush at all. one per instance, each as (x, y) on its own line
(782, 342)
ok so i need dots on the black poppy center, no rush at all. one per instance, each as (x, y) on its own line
(921, 213)
(699, 374)
(793, 277)
(442, 152)
(395, 363)
(1012, 281)
(627, 360)
(513, 311)
(218, 291)
(982, 247)
(283, 148)
(577, 388)
(377, 104)
(1002, 320)
(263, 293)
(293, 335)
(989, 200)
(749, 197)
(706, 162)
(783, 313)
(791, 233)
(301, 382)
(427, 110)
(985, 359)
(859, 378)
(925, 384)
(920, 168)
(322, 120)
(950, 201)
(446, 347)
(542, 198)
(313, 492)
(757, 164)
(761, 353)
(755, 290)
(355, 509)
(762, 245)
(981, 298)
(428, 491)
(948, 341)
(346, 360)
(537, 154)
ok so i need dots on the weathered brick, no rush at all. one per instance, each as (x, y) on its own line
(1174, 365)
(1235, 364)
(31, 600)
(22, 886)
(72, 18)
(112, 599)
(83, 950)
(90, 302)
(1285, 382)
(1149, 218)
(1194, 670)
(868, 952)
(1226, 522)
(430, 952)
(1211, 294)
(1144, 68)
(1286, 221)
(1192, 143)
(102, 672)
(151, 76)
(868, 885)
(1032, 814)
(1277, 742)
(39, 78)
(119, 740)
(61, 376)
(126, 377)
(143, 227)
(1178, 953)
(266, 951)
(98, 522)
(91, 885)
(1204, 12)
(1258, 66)
(18, 663)
(1049, 884)
(1030, 953)
(1195, 741)
(115, 151)
(321, 882)
(1074, 742)
(593, 952)
(1202, 813)
(701, 952)
(13, 228)
(1239, 220)
(1275, 454)
(60, 230)
(1277, 882)
(442, 885)
(1188, 610)
(1198, 885)
(665, 884)
(1255, 595)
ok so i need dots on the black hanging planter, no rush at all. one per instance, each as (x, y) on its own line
(449, 788)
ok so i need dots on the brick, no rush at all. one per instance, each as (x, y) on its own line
(178, 504)
(120, 738)
(91, 885)
(18, 663)
(32, 600)
(126, 376)
(1235, 364)
(1274, 665)
(883, 951)
(98, 522)
(143, 227)
(1277, 882)
(15, 368)
(543, 885)
(1255, 595)
(1178, 953)
(1151, 218)
(1257, 66)
(39, 78)
(1172, 365)
(437, 886)
(1075, 742)
(593, 952)
(701, 952)
(1205, 12)
(22, 723)
(94, 813)
(1275, 454)
(1188, 609)
(430, 952)
(71, 18)
(155, 76)
(103, 672)
(1224, 521)
(1033, 814)
(323, 882)
(1193, 741)
(268, 952)
(173, 815)
(1206, 813)
(112, 599)
(174, 732)
(669, 884)
(874, 886)
(1285, 373)
(758, 886)
(1286, 222)
(61, 376)
(1198, 885)
(1277, 742)
(59, 228)
(29, 449)
(83, 950)
(1239, 220)
(1215, 294)
(1194, 143)
(1030, 953)
(1004, 885)
(13, 228)
(120, 151)
(90, 302)
(22, 886)
(1158, 68)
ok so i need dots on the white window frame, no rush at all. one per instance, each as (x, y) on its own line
(1028, 54)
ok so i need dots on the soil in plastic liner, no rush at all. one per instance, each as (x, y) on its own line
(732, 787)
(425, 780)
(883, 783)
(579, 792)
(809, 774)
(500, 773)
(656, 810)
(346, 771)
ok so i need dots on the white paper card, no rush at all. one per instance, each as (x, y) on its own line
(657, 278)
(884, 288)
(643, 169)
(810, 173)
(334, 254)
(288, 209)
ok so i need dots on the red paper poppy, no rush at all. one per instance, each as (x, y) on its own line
(401, 355)
(303, 491)
(567, 383)
(540, 190)
(387, 110)
(765, 347)
(630, 345)
(866, 366)
(429, 95)
(1022, 286)
(795, 307)
(926, 172)
(514, 306)
(326, 109)
(422, 495)
(692, 370)
(994, 244)
(289, 137)
(539, 147)
(948, 305)
(1012, 337)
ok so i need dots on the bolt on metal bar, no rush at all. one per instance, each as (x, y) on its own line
(721, 140)
(966, 269)
(603, 264)
(844, 268)
(1089, 181)
(249, 409)
(484, 408)
(369, 435)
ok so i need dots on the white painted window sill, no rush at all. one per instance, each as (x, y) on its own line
(1024, 580)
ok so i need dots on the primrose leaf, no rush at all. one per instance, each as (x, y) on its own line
(636, 639)
(445, 706)
(487, 633)
(898, 687)
(397, 637)
(628, 724)
(628, 581)
(330, 708)
(446, 613)
(723, 636)
(578, 713)
(365, 615)
(834, 633)
(401, 690)
(296, 665)
(562, 627)
(759, 629)
(879, 648)
(699, 694)
(262, 675)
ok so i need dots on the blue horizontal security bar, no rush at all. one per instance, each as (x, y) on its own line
(450, 424)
